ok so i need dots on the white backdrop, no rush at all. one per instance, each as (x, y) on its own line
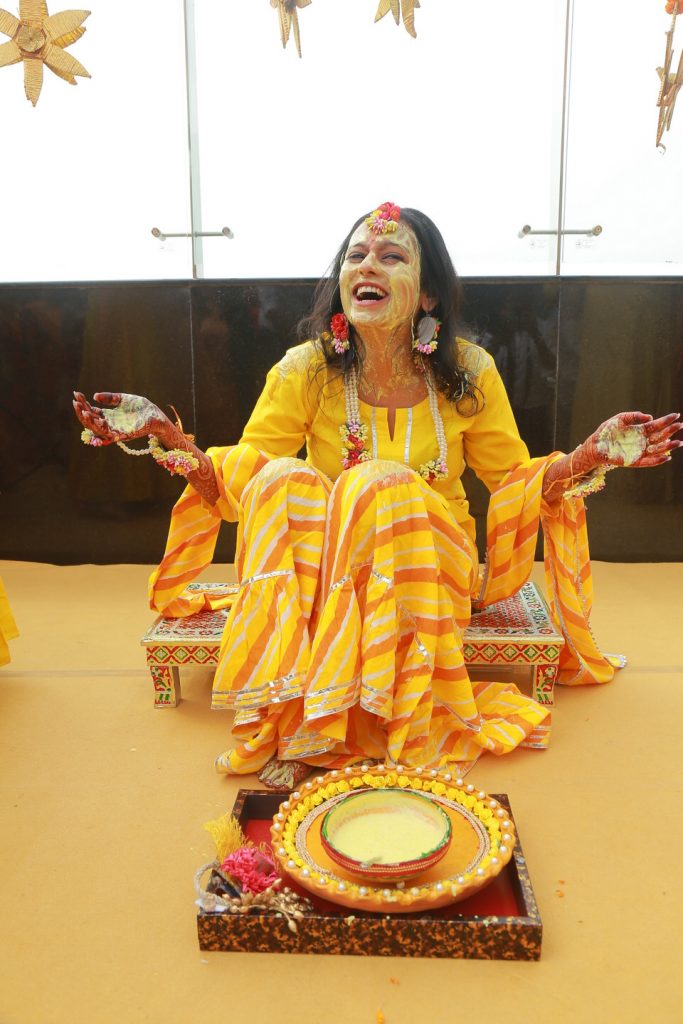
(463, 122)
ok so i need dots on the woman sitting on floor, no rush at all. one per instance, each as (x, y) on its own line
(358, 567)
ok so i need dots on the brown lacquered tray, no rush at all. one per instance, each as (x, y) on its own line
(500, 922)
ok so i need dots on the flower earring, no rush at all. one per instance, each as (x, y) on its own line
(427, 334)
(339, 326)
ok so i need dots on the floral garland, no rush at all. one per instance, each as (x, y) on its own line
(176, 460)
(354, 432)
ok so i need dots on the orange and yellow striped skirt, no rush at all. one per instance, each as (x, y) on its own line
(345, 641)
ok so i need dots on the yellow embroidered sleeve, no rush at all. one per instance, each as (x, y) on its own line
(492, 443)
(282, 416)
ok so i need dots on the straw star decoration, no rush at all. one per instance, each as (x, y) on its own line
(289, 18)
(38, 38)
(398, 8)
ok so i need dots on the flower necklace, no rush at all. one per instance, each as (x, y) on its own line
(354, 432)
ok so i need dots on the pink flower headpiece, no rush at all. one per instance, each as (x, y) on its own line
(384, 219)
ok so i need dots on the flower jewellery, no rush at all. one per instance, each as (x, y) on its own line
(384, 220)
(176, 460)
(339, 326)
(354, 432)
(427, 335)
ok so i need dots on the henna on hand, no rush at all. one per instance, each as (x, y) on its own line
(125, 417)
(562, 475)
(632, 439)
(635, 439)
(203, 478)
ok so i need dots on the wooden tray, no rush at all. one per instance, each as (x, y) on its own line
(501, 922)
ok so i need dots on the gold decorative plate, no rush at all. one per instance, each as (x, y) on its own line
(482, 843)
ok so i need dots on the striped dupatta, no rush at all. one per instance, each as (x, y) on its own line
(512, 527)
(194, 530)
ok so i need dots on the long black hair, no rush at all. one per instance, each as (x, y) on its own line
(438, 280)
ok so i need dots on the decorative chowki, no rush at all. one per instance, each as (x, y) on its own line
(171, 644)
(516, 632)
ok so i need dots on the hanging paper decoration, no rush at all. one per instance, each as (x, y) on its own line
(38, 38)
(404, 8)
(289, 17)
(670, 83)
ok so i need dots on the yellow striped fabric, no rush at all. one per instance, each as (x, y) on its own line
(345, 640)
(512, 528)
(194, 530)
(570, 588)
(373, 665)
(8, 627)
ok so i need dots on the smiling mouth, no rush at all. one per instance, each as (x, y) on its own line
(367, 294)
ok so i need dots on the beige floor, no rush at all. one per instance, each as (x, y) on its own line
(104, 797)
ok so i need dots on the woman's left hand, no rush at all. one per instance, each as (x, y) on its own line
(634, 439)
(119, 417)
(628, 439)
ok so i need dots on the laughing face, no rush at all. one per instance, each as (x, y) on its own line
(380, 278)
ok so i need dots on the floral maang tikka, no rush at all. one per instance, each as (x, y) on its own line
(384, 220)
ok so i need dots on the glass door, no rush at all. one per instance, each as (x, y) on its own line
(462, 122)
(616, 177)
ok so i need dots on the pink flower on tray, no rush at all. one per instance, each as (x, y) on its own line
(252, 869)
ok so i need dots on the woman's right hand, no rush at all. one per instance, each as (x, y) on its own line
(123, 418)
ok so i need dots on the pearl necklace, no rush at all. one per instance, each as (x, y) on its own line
(354, 432)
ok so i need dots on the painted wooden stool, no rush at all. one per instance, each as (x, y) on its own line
(515, 632)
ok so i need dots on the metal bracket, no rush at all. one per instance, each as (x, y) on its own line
(527, 230)
(163, 235)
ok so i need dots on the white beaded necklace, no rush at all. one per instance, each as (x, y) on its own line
(354, 432)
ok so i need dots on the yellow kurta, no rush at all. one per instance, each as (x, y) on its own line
(293, 410)
(346, 637)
